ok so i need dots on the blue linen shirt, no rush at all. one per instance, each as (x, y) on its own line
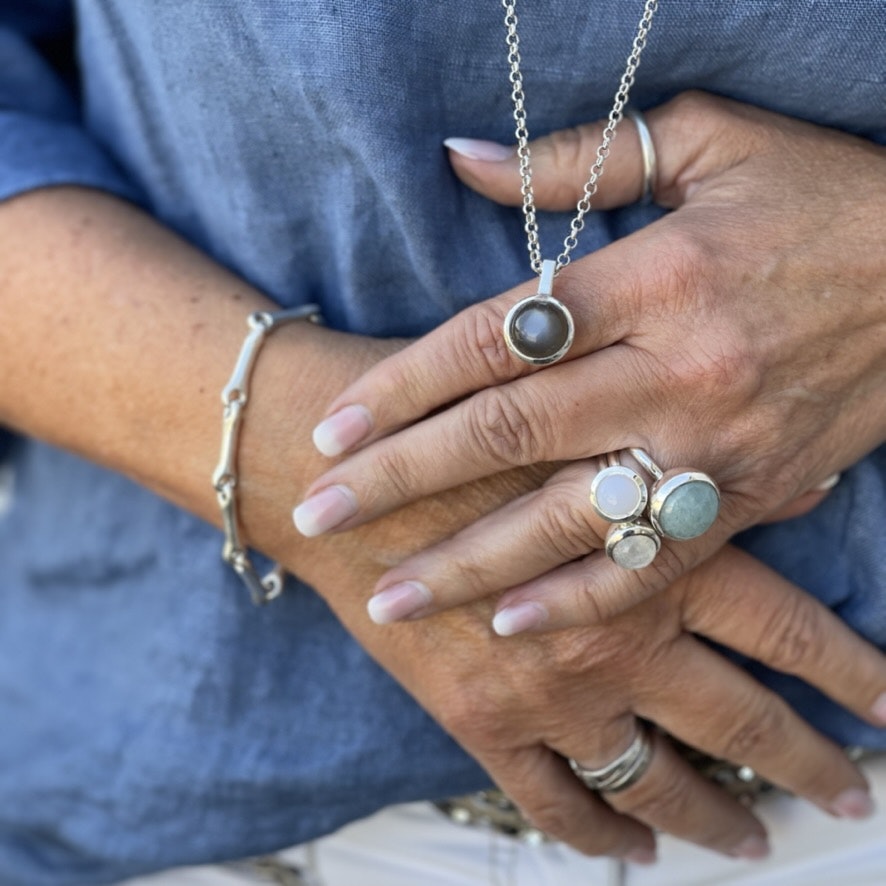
(149, 716)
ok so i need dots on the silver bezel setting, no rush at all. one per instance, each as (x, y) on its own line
(620, 532)
(669, 484)
(628, 473)
(526, 302)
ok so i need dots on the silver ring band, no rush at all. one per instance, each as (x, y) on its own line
(647, 150)
(625, 770)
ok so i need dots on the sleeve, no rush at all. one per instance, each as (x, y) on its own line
(42, 139)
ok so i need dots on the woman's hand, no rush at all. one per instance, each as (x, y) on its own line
(742, 334)
(521, 705)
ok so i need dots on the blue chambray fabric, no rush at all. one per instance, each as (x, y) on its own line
(149, 716)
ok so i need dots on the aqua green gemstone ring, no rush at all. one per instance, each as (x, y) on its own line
(684, 503)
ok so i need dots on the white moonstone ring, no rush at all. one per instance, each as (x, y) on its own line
(632, 545)
(618, 493)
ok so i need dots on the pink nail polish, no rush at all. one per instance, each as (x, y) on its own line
(325, 510)
(342, 430)
(398, 602)
(476, 149)
(518, 618)
(853, 803)
(879, 709)
(752, 848)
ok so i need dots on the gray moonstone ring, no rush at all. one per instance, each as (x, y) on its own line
(539, 329)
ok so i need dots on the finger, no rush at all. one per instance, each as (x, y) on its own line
(468, 353)
(492, 431)
(549, 795)
(736, 600)
(695, 136)
(594, 589)
(672, 797)
(525, 538)
(715, 706)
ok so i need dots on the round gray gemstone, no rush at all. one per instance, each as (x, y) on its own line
(539, 329)
(689, 511)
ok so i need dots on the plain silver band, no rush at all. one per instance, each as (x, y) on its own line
(625, 770)
(647, 149)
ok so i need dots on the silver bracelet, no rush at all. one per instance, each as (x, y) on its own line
(235, 396)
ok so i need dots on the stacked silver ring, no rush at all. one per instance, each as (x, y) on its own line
(625, 770)
(682, 504)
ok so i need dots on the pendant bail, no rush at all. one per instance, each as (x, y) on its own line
(546, 278)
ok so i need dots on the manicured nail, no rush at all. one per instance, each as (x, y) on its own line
(475, 149)
(753, 848)
(519, 617)
(853, 803)
(325, 510)
(342, 430)
(827, 484)
(641, 856)
(879, 709)
(398, 602)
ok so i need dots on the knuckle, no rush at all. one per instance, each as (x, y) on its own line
(482, 342)
(591, 603)
(511, 430)
(470, 714)
(694, 107)
(794, 637)
(563, 524)
(395, 474)
(551, 818)
(568, 154)
(664, 570)
(761, 729)
(669, 800)
(472, 575)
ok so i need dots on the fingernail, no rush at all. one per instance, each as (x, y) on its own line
(325, 510)
(342, 430)
(398, 602)
(853, 803)
(753, 848)
(517, 618)
(641, 856)
(879, 709)
(827, 484)
(475, 149)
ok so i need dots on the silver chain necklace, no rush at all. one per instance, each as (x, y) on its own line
(539, 329)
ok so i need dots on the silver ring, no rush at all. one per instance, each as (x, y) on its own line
(647, 149)
(625, 770)
(684, 503)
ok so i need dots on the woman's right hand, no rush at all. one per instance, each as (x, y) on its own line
(521, 705)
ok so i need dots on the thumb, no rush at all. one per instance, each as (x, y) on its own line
(694, 135)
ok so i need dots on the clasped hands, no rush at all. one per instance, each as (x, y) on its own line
(742, 333)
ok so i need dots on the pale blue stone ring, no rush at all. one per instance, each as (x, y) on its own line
(684, 503)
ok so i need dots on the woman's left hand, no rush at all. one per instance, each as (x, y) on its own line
(743, 334)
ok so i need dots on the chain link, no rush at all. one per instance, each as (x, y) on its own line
(234, 397)
(522, 134)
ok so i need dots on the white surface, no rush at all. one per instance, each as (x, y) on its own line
(413, 845)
